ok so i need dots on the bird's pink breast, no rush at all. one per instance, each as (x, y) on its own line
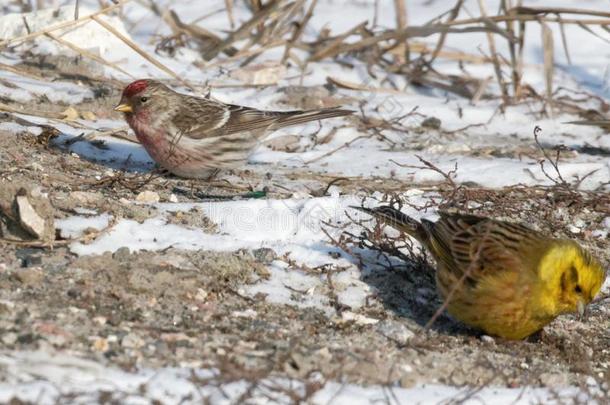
(154, 140)
(172, 156)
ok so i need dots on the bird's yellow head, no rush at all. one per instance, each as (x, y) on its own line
(571, 277)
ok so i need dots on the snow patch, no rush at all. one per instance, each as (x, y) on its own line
(49, 378)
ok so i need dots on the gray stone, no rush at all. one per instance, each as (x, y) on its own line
(31, 277)
(431, 122)
(122, 254)
(264, 255)
(395, 330)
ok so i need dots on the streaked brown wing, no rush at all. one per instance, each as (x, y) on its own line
(442, 233)
(481, 246)
(204, 118)
(218, 135)
(198, 117)
(258, 121)
(250, 119)
(201, 118)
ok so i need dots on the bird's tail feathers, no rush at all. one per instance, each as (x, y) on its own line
(397, 220)
(292, 118)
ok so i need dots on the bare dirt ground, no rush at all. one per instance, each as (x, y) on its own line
(173, 307)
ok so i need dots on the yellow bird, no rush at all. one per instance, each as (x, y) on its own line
(503, 278)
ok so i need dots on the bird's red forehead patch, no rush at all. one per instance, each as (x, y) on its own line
(135, 88)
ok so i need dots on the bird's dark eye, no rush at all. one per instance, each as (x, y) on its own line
(143, 99)
(577, 289)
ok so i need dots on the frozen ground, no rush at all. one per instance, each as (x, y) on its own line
(52, 376)
(172, 296)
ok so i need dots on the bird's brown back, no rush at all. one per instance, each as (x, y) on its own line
(473, 247)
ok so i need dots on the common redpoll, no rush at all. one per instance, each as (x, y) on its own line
(193, 137)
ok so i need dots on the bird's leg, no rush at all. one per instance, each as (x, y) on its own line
(213, 174)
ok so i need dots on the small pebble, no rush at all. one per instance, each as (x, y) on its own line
(590, 381)
(122, 254)
(132, 341)
(101, 345)
(406, 368)
(248, 313)
(32, 276)
(9, 338)
(201, 295)
(264, 255)
(554, 379)
(148, 197)
(574, 229)
(487, 339)
(431, 122)
(37, 167)
(100, 320)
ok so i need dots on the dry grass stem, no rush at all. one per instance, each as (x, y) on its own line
(244, 31)
(88, 54)
(299, 30)
(549, 67)
(401, 13)
(20, 72)
(206, 39)
(229, 7)
(138, 50)
(494, 56)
